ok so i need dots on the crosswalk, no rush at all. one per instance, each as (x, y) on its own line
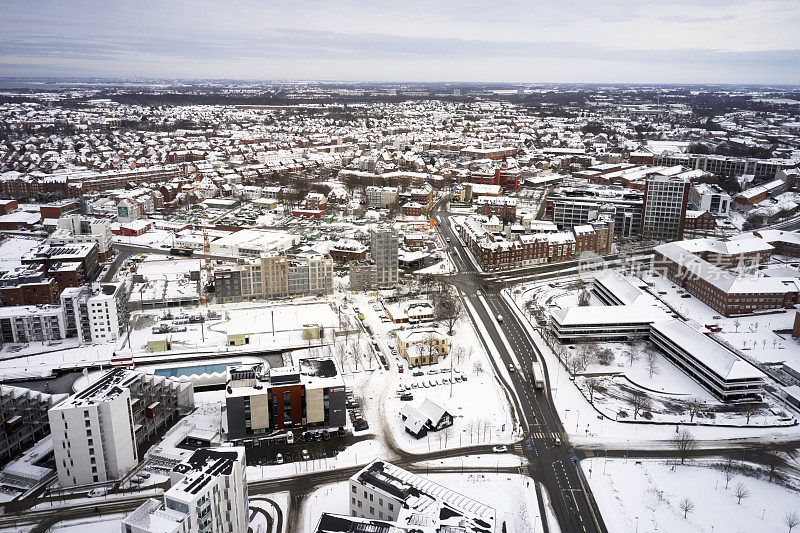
(543, 434)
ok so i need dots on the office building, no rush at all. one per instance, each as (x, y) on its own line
(574, 206)
(208, 494)
(711, 198)
(383, 248)
(262, 400)
(665, 201)
(76, 228)
(97, 431)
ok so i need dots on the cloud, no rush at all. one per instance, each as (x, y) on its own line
(685, 19)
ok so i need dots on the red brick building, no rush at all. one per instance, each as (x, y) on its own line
(6, 206)
(502, 207)
(505, 176)
(344, 251)
(699, 222)
(412, 209)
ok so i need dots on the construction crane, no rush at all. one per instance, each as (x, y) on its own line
(208, 266)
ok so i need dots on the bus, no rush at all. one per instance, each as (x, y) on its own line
(538, 374)
(178, 250)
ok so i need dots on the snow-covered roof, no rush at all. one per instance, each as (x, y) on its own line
(720, 360)
(609, 315)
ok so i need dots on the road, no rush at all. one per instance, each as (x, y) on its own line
(549, 462)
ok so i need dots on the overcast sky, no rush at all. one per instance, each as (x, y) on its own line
(725, 41)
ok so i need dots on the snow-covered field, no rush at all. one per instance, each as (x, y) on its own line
(513, 497)
(649, 493)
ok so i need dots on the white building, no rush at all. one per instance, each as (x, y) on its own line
(208, 495)
(97, 313)
(128, 211)
(96, 432)
(381, 196)
(254, 242)
(75, 228)
(711, 198)
(384, 497)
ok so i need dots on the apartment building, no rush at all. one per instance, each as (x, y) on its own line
(383, 495)
(503, 207)
(345, 250)
(275, 275)
(711, 198)
(381, 197)
(363, 275)
(503, 175)
(27, 286)
(493, 250)
(70, 265)
(96, 312)
(664, 210)
(208, 494)
(262, 400)
(23, 413)
(383, 249)
(97, 431)
(32, 323)
(76, 228)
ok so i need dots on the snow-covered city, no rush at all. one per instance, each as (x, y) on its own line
(236, 300)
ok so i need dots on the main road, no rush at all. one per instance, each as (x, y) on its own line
(550, 456)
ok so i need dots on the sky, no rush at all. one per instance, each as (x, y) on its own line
(592, 41)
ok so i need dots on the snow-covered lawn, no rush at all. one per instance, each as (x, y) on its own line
(513, 497)
(650, 492)
(479, 405)
(102, 524)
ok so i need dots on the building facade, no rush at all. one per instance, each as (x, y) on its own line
(383, 249)
(664, 213)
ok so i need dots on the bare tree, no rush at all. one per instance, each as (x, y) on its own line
(693, 406)
(587, 351)
(749, 410)
(421, 350)
(791, 520)
(687, 506)
(477, 367)
(651, 357)
(584, 297)
(354, 349)
(591, 385)
(575, 364)
(729, 475)
(774, 464)
(341, 354)
(631, 356)
(639, 401)
(736, 324)
(741, 492)
(430, 344)
(684, 444)
(449, 310)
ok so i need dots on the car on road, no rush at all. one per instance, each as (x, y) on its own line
(500, 318)
(341, 432)
(557, 441)
(290, 438)
(500, 449)
(97, 493)
(512, 368)
(279, 459)
(305, 455)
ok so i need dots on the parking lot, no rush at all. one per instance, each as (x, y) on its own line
(267, 453)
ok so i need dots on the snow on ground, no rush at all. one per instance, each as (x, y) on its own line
(104, 524)
(151, 238)
(259, 505)
(480, 407)
(649, 492)
(586, 427)
(513, 497)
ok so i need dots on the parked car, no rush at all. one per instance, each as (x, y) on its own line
(341, 432)
(305, 455)
(407, 397)
(279, 459)
(326, 435)
(361, 425)
(418, 373)
(500, 449)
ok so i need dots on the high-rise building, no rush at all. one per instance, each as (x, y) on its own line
(665, 201)
(96, 432)
(76, 228)
(208, 495)
(24, 415)
(383, 248)
(97, 312)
